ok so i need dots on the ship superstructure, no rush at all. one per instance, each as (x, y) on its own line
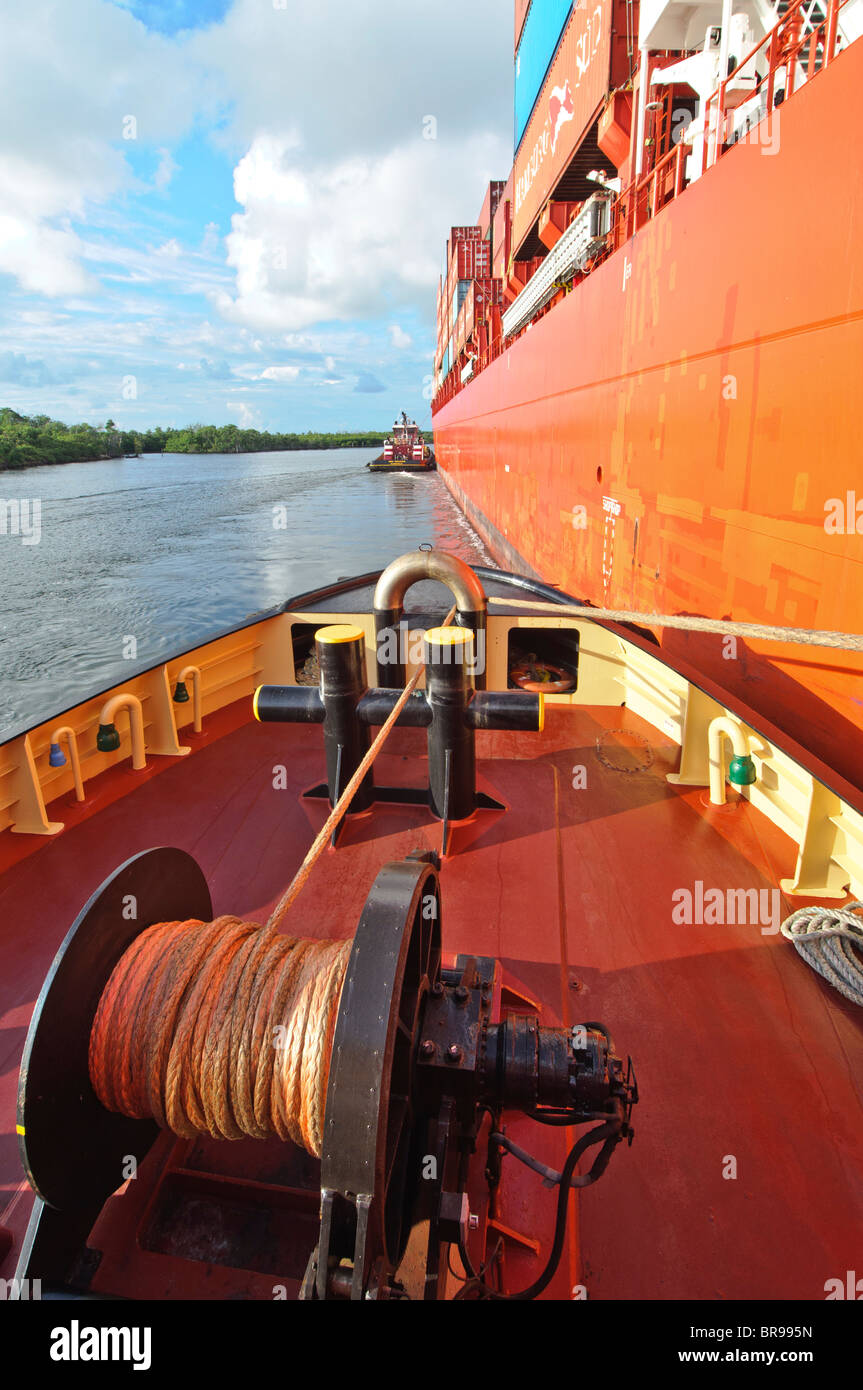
(405, 448)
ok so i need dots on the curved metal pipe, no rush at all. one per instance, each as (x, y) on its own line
(409, 569)
(740, 746)
(136, 723)
(193, 673)
(390, 590)
(67, 732)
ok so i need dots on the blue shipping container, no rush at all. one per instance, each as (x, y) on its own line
(543, 27)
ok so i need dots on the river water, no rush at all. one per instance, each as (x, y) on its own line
(170, 549)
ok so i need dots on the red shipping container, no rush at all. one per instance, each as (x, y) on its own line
(469, 312)
(465, 234)
(472, 260)
(489, 206)
(521, 9)
(502, 237)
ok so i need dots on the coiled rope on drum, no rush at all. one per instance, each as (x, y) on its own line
(222, 1028)
(829, 939)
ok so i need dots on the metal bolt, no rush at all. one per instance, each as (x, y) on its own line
(427, 1047)
(437, 989)
(453, 1053)
(461, 993)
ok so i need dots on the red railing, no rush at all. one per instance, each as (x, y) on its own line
(787, 44)
(644, 197)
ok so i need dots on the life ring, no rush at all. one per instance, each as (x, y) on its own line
(530, 677)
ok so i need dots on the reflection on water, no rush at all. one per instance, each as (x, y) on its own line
(167, 549)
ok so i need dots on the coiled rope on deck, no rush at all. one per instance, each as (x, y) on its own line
(222, 1028)
(828, 939)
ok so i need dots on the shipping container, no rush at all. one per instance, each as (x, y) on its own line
(502, 234)
(482, 297)
(470, 259)
(542, 32)
(458, 299)
(521, 9)
(465, 234)
(570, 101)
(469, 312)
(489, 207)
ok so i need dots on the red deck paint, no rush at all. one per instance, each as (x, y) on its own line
(740, 1049)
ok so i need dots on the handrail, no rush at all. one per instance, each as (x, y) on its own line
(781, 55)
(785, 42)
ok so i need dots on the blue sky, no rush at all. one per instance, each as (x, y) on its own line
(230, 210)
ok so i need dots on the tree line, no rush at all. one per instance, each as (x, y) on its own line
(26, 440)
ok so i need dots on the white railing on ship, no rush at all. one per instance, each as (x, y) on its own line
(584, 236)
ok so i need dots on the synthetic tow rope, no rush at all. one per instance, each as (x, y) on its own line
(226, 1027)
(222, 1028)
(826, 938)
(812, 637)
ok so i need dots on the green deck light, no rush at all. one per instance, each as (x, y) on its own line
(181, 694)
(741, 771)
(107, 739)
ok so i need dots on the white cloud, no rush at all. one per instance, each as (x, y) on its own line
(70, 77)
(165, 171)
(170, 248)
(279, 374)
(211, 239)
(334, 256)
(245, 415)
(351, 239)
(360, 79)
(42, 258)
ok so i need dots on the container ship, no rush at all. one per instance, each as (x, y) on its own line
(650, 345)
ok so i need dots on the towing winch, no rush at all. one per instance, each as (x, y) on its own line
(420, 1075)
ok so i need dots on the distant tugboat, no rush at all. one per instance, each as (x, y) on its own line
(405, 450)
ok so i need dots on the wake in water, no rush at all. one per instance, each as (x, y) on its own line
(197, 546)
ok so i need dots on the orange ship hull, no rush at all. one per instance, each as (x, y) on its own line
(703, 380)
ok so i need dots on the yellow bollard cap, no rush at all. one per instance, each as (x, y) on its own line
(340, 632)
(449, 636)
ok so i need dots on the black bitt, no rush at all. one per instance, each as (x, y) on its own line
(450, 709)
(451, 750)
(341, 657)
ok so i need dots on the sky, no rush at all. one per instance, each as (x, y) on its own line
(235, 211)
